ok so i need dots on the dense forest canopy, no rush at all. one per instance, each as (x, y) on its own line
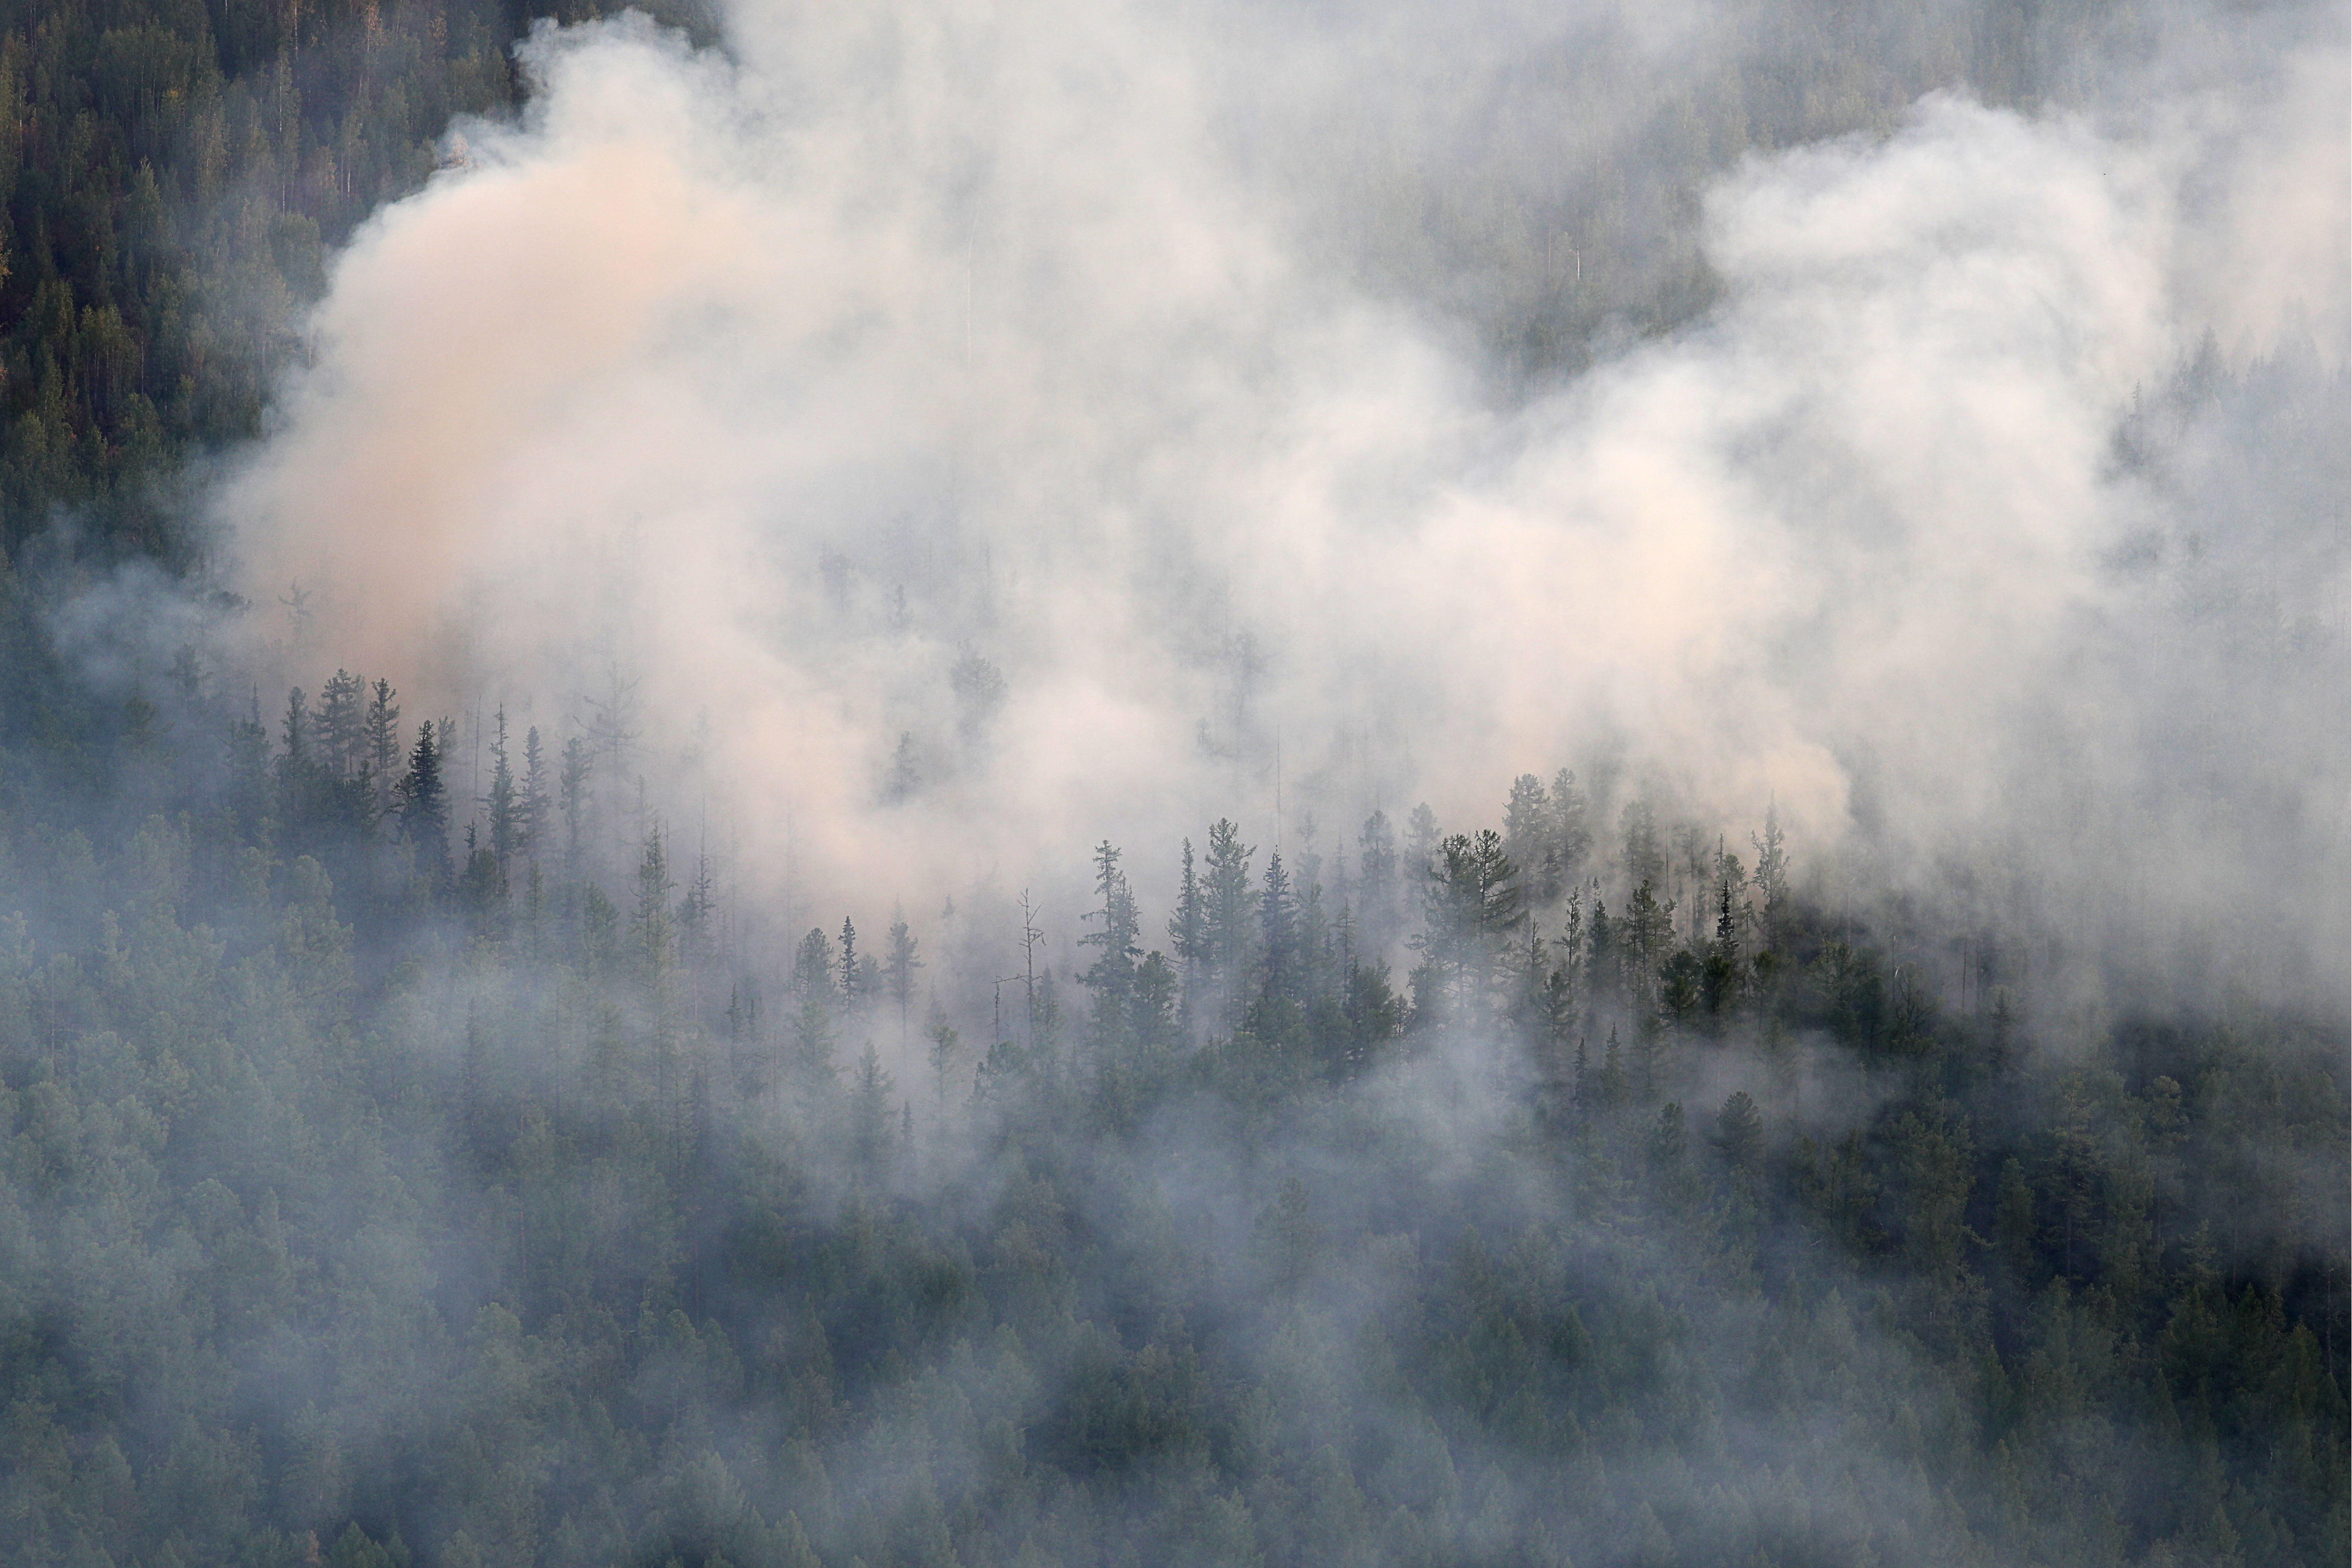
(883, 786)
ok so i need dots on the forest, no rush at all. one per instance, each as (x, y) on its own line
(380, 1192)
(429, 1138)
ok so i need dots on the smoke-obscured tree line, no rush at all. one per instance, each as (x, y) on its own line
(415, 1150)
(398, 1176)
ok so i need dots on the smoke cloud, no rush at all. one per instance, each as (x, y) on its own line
(954, 435)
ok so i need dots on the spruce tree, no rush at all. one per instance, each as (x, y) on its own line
(1111, 977)
(1227, 907)
(1376, 864)
(423, 806)
(1277, 919)
(383, 741)
(504, 803)
(899, 969)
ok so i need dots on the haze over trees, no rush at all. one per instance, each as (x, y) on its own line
(430, 1135)
(403, 1192)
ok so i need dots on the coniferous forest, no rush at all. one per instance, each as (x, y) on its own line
(434, 1133)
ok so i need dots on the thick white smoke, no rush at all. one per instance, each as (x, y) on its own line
(785, 384)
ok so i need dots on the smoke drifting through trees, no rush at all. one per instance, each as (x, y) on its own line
(556, 1225)
(860, 974)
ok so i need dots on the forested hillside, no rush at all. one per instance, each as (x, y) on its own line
(397, 1193)
(444, 1122)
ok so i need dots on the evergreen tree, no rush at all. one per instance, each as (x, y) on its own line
(811, 1060)
(872, 1146)
(296, 765)
(1526, 830)
(1721, 968)
(1419, 846)
(1188, 926)
(945, 1041)
(1571, 830)
(1645, 860)
(1226, 907)
(1601, 956)
(1646, 940)
(343, 739)
(899, 969)
(1771, 880)
(1278, 936)
(382, 742)
(508, 815)
(852, 993)
(1472, 908)
(650, 921)
(424, 806)
(532, 809)
(1376, 864)
(572, 792)
(1111, 977)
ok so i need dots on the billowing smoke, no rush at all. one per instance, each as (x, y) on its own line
(943, 436)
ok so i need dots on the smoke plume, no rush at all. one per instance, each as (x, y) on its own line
(939, 436)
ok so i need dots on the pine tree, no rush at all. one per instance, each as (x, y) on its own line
(1772, 879)
(572, 787)
(1111, 977)
(1570, 973)
(295, 766)
(1722, 970)
(1612, 1084)
(1527, 824)
(343, 740)
(905, 778)
(383, 741)
(531, 811)
(1740, 1134)
(980, 693)
(1646, 940)
(1419, 847)
(899, 969)
(1645, 861)
(849, 972)
(1278, 930)
(1470, 909)
(698, 910)
(944, 1041)
(423, 806)
(1376, 864)
(1601, 960)
(651, 918)
(1188, 926)
(871, 1145)
(507, 830)
(813, 987)
(1571, 830)
(1227, 907)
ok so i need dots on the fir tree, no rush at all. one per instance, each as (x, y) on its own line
(651, 919)
(1111, 977)
(899, 969)
(383, 741)
(423, 806)
(508, 830)
(572, 787)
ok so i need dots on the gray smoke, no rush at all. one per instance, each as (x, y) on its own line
(968, 435)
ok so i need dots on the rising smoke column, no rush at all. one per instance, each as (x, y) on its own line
(776, 385)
